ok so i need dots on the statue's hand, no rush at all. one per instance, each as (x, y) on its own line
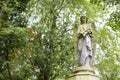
(89, 32)
(91, 35)
(85, 33)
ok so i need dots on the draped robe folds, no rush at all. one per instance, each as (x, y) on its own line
(84, 45)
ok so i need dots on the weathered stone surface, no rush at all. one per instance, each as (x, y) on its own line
(84, 73)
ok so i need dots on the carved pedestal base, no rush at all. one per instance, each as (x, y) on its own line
(84, 73)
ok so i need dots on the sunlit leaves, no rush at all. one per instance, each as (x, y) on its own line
(114, 21)
(11, 13)
(108, 56)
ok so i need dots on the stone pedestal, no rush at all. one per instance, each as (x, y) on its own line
(84, 73)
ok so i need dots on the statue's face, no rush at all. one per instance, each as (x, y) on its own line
(83, 19)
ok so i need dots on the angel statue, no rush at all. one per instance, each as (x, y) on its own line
(85, 42)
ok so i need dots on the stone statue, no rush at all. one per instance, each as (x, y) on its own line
(84, 43)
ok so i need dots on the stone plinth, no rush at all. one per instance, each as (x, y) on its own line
(84, 73)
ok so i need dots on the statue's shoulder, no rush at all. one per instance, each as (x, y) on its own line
(89, 24)
(92, 25)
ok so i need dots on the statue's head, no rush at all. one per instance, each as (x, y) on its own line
(83, 19)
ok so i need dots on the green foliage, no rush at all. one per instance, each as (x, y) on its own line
(108, 56)
(11, 39)
(11, 13)
(114, 21)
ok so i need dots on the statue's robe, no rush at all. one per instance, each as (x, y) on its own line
(84, 34)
